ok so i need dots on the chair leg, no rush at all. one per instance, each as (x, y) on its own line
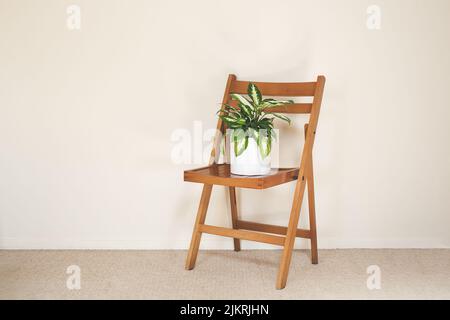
(290, 235)
(234, 216)
(312, 213)
(196, 234)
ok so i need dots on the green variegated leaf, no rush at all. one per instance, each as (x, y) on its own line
(264, 143)
(269, 145)
(228, 119)
(254, 93)
(225, 112)
(229, 107)
(277, 102)
(232, 121)
(242, 100)
(266, 123)
(233, 113)
(271, 103)
(282, 117)
(273, 134)
(249, 116)
(240, 141)
(245, 109)
(254, 134)
(222, 146)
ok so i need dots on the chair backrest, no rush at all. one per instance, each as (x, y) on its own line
(291, 89)
(276, 89)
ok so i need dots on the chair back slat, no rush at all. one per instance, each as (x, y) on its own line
(300, 108)
(299, 89)
(295, 108)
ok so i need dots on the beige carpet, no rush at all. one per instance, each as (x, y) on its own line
(340, 274)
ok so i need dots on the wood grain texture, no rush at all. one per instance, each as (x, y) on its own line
(268, 228)
(242, 234)
(215, 152)
(219, 174)
(196, 234)
(300, 187)
(292, 89)
(312, 207)
(207, 188)
(234, 216)
(294, 108)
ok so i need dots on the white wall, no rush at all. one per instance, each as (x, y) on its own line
(86, 118)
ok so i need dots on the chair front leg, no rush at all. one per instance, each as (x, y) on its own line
(290, 235)
(234, 216)
(196, 234)
(312, 212)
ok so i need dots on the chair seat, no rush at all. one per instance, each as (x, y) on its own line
(220, 174)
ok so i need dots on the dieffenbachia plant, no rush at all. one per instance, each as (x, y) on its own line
(252, 119)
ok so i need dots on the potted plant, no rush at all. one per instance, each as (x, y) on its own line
(250, 131)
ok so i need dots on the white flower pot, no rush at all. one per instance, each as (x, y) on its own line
(250, 162)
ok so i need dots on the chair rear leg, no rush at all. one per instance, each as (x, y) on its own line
(234, 216)
(312, 213)
(290, 235)
(196, 234)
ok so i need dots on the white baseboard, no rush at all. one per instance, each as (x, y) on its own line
(211, 244)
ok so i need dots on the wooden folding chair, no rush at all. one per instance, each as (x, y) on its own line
(219, 174)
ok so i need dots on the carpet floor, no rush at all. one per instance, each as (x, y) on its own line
(340, 274)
